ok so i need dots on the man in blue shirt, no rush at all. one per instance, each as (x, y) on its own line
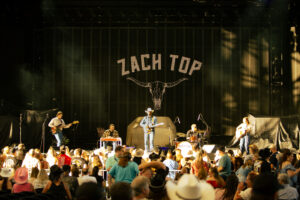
(224, 167)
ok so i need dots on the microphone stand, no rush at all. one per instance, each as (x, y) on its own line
(20, 125)
(43, 133)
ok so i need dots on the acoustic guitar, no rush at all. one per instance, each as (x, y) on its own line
(148, 129)
(54, 129)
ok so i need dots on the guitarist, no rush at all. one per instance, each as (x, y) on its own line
(57, 124)
(243, 134)
(148, 123)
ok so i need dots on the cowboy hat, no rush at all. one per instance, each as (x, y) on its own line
(139, 153)
(189, 187)
(6, 172)
(149, 110)
(21, 175)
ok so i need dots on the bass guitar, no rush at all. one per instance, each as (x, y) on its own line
(55, 128)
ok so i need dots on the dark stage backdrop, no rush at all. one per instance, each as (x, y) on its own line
(81, 76)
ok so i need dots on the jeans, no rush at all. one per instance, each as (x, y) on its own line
(59, 138)
(244, 143)
(149, 138)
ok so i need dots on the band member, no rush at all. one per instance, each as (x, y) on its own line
(193, 132)
(57, 124)
(243, 134)
(111, 132)
(148, 123)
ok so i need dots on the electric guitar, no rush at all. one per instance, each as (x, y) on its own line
(54, 129)
(148, 129)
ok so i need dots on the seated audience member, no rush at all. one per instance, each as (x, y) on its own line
(171, 164)
(70, 181)
(242, 192)
(287, 192)
(224, 167)
(30, 161)
(202, 174)
(244, 170)
(286, 167)
(227, 193)
(41, 181)
(89, 191)
(265, 187)
(21, 179)
(215, 179)
(124, 171)
(77, 159)
(75, 171)
(56, 186)
(189, 187)
(199, 163)
(85, 177)
(5, 184)
(63, 158)
(265, 165)
(51, 157)
(140, 187)
(121, 191)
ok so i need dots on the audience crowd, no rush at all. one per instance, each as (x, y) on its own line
(132, 174)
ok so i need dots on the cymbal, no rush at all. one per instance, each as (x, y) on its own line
(179, 134)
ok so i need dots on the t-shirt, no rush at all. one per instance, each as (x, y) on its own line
(225, 162)
(124, 174)
(111, 161)
(63, 159)
(246, 194)
(172, 165)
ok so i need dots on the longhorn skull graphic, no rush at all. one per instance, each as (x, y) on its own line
(157, 89)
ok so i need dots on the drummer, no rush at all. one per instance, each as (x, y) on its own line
(192, 134)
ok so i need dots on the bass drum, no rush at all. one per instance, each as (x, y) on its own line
(185, 147)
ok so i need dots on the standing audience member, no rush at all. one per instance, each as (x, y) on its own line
(51, 157)
(95, 173)
(140, 187)
(244, 170)
(86, 177)
(273, 158)
(89, 191)
(21, 179)
(121, 191)
(198, 164)
(5, 184)
(33, 175)
(138, 156)
(70, 181)
(63, 158)
(56, 186)
(41, 181)
(171, 164)
(111, 161)
(265, 187)
(287, 192)
(224, 167)
(124, 171)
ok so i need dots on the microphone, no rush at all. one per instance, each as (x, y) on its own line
(178, 119)
(198, 118)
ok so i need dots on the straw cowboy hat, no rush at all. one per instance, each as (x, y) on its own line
(189, 187)
(21, 175)
(149, 110)
(139, 153)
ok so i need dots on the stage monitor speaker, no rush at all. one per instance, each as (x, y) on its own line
(209, 148)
